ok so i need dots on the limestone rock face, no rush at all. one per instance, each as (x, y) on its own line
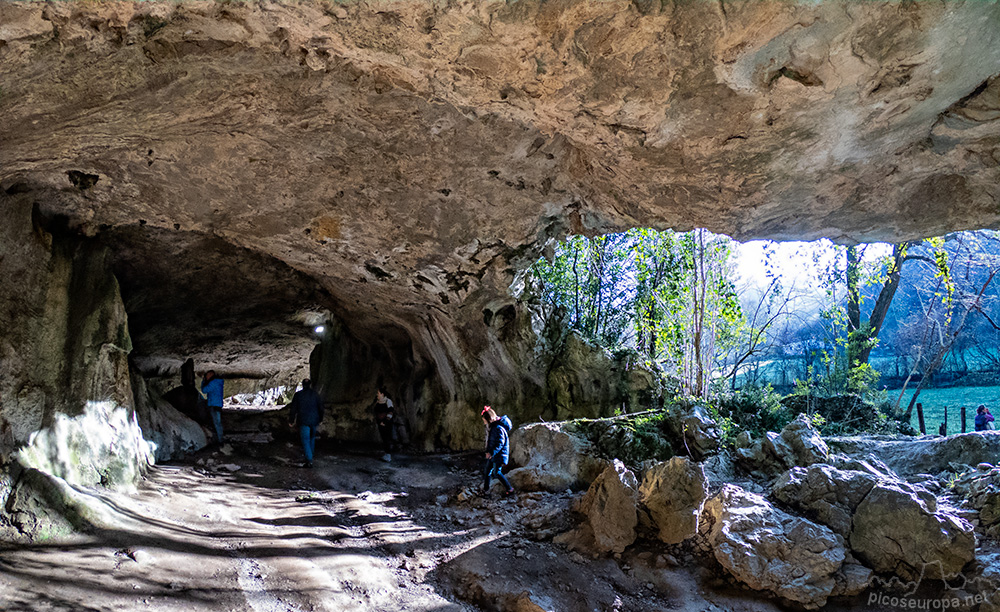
(551, 459)
(828, 495)
(798, 444)
(395, 167)
(610, 508)
(899, 529)
(675, 493)
(925, 455)
(693, 429)
(984, 495)
(770, 550)
(610, 513)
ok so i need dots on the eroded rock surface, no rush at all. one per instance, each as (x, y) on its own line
(798, 444)
(609, 510)
(925, 455)
(900, 529)
(828, 495)
(552, 459)
(674, 492)
(770, 550)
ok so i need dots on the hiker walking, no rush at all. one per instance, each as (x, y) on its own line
(306, 408)
(497, 449)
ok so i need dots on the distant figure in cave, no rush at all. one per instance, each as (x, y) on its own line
(211, 386)
(497, 449)
(983, 418)
(306, 409)
(385, 419)
(186, 397)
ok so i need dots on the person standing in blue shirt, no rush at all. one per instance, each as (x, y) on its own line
(306, 408)
(211, 387)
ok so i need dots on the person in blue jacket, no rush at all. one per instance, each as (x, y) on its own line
(983, 418)
(497, 449)
(306, 408)
(211, 387)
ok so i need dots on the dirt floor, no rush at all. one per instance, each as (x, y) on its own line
(246, 528)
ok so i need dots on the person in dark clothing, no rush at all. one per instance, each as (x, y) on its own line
(212, 388)
(497, 449)
(306, 409)
(983, 418)
(385, 419)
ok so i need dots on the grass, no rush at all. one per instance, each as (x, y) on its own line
(935, 400)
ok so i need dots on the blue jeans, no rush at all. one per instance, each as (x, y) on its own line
(217, 422)
(492, 467)
(308, 434)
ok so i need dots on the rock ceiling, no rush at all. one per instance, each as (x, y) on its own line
(399, 161)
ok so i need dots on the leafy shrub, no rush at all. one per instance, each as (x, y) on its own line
(632, 439)
(753, 409)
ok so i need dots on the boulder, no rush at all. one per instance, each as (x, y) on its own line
(552, 459)
(927, 454)
(798, 444)
(694, 430)
(852, 578)
(983, 494)
(610, 512)
(898, 528)
(675, 493)
(824, 494)
(771, 550)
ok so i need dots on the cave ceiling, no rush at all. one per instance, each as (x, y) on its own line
(396, 162)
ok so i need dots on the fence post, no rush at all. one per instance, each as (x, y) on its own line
(963, 419)
(920, 419)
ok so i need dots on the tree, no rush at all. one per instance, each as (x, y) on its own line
(955, 301)
(862, 336)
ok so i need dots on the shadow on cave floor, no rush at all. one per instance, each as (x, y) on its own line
(242, 527)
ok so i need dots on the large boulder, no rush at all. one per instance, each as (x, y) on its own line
(694, 429)
(983, 494)
(924, 455)
(900, 529)
(771, 550)
(610, 512)
(798, 444)
(824, 494)
(552, 459)
(674, 492)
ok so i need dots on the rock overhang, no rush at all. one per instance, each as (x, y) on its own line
(397, 163)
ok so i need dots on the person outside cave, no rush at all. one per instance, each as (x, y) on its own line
(385, 419)
(211, 387)
(306, 408)
(983, 418)
(497, 449)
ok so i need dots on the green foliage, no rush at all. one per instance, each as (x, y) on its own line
(754, 409)
(668, 296)
(632, 439)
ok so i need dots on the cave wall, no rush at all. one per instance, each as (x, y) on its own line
(440, 380)
(71, 409)
(399, 163)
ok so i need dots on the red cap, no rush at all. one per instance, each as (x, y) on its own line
(485, 408)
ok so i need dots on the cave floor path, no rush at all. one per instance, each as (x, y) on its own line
(250, 529)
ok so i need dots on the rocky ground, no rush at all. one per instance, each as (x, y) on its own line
(245, 527)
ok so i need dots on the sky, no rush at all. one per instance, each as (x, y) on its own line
(798, 263)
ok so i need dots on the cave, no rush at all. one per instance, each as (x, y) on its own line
(214, 180)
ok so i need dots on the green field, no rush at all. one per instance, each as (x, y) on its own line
(935, 400)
